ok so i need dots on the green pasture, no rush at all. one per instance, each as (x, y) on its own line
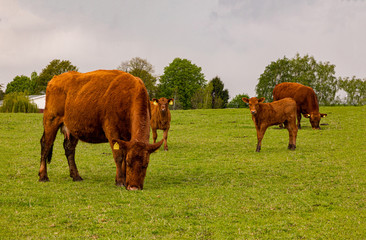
(211, 184)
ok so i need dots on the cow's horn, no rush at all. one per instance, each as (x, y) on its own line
(153, 147)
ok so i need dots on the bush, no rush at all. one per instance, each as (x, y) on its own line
(18, 102)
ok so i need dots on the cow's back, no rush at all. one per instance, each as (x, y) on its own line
(304, 96)
(90, 101)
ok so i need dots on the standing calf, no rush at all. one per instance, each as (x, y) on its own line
(268, 114)
(160, 117)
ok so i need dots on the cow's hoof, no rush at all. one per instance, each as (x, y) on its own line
(44, 179)
(291, 147)
(77, 179)
(120, 184)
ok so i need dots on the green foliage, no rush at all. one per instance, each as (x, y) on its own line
(22, 84)
(18, 102)
(202, 99)
(143, 69)
(237, 101)
(211, 184)
(355, 89)
(181, 80)
(304, 70)
(1, 92)
(55, 67)
(219, 96)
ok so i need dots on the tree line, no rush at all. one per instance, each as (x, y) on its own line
(185, 82)
(317, 75)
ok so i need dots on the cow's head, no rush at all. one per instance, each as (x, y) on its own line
(253, 104)
(163, 103)
(315, 119)
(136, 160)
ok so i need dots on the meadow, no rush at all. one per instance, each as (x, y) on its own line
(211, 184)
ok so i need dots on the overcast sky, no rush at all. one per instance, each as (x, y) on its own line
(232, 39)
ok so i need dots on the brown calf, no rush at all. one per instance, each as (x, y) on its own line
(160, 117)
(268, 114)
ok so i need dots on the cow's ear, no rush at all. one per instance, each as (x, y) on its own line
(119, 144)
(171, 101)
(323, 115)
(153, 147)
(155, 101)
(307, 115)
(261, 99)
(246, 100)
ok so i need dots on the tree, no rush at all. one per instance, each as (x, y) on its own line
(55, 67)
(23, 84)
(304, 70)
(237, 101)
(202, 98)
(219, 96)
(141, 68)
(18, 102)
(1, 92)
(355, 89)
(181, 80)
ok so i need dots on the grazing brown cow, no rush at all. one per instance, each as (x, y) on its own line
(160, 117)
(306, 100)
(268, 114)
(97, 107)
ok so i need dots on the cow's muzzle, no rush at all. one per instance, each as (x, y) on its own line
(133, 188)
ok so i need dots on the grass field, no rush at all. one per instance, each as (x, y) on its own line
(211, 184)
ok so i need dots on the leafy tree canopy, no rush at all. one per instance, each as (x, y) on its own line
(1, 92)
(305, 70)
(143, 69)
(355, 89)
(55, 67)
(181, 80)
(15, 102)
(23, 84)
(219, 95)
(237, 101)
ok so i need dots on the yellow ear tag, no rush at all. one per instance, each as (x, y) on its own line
(170, 102)
(155, 103)
(116, 146)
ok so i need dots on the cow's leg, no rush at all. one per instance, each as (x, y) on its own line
(51, 126)
(70, 143)
(260, 134)
(46, 155)
(165, 139)
(155, 134)
(120, 161)
(292, 130)
(298, 119)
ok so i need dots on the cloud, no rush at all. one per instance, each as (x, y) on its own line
(232, 39)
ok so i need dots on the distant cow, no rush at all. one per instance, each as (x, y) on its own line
(160, 117)
(97, 107)
(306, 100)
(268, 114)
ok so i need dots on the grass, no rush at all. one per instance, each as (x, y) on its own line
(211, 184)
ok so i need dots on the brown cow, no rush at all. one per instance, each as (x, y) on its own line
(268, 114)
(160, 117)
(97, 107)
(306, 100)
